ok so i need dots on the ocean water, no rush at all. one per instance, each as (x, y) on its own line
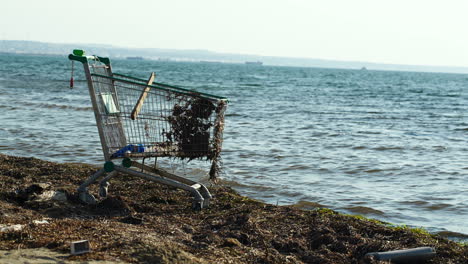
(386, 145)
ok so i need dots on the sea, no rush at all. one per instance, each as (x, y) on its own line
(392, 146)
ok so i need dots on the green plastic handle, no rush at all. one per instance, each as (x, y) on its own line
(78, 55)
(78, 52)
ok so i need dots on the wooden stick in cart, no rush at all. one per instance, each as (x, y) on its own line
(142, 98)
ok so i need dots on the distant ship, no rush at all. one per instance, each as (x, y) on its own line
(254, 62)
(363, 68)
(134, 58)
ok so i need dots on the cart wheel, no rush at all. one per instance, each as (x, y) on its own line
(109, 166)
(206, 203)
(103, 187)
(197, 206)
(87, 198)
(127, 162)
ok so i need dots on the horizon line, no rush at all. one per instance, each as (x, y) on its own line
(455, 69)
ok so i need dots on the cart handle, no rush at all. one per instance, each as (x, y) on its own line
(84, 59)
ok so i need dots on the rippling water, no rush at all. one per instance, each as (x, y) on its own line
(387, 145)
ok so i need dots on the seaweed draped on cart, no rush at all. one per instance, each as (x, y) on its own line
(138, 119)
(171, 124)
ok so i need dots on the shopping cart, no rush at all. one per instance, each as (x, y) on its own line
(139, 119)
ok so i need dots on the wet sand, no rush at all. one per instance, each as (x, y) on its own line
(143, 222)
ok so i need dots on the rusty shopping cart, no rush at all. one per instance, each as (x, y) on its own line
(139, 119)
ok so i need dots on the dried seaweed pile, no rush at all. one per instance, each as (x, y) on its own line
(191, 124)
(148, 223)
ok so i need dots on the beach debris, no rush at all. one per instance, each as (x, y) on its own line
(40, 222)
(51, 195)
(30, 192)
(10, 228)
(413, 255)
(39, 192)
(79, 247)
(4, 228)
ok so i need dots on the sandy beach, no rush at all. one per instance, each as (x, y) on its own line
(141, 222)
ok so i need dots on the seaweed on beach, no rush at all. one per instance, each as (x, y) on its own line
(145, 222)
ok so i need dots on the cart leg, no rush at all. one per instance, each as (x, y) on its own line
(88, 198)
(197, 205)
(104, 184)
(83, 193)
(206, 195)
(198, 198)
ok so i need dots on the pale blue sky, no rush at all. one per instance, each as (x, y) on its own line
(423, 32)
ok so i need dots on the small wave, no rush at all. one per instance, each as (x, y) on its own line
(12, 147)
(387, 148)
(67, 81)
(58, 106)
(453, 235)
(77, 108)
(439, 206)
(306, 205)
(236, 184)
(296, 167)
(233, 114)
(419, 202)
(324, 170)
(276, 150)
(356, 171)
(307, 127)
(370, 132)
(363, 210)
(373, 171)
(359, 147)
(415, 91)
(8, 108)
(439, 148)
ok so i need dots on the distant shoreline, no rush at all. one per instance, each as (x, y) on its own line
(36, 47)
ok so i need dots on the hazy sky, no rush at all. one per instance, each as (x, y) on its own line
(423, 32)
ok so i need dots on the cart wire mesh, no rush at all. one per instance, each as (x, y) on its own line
(172, 121)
